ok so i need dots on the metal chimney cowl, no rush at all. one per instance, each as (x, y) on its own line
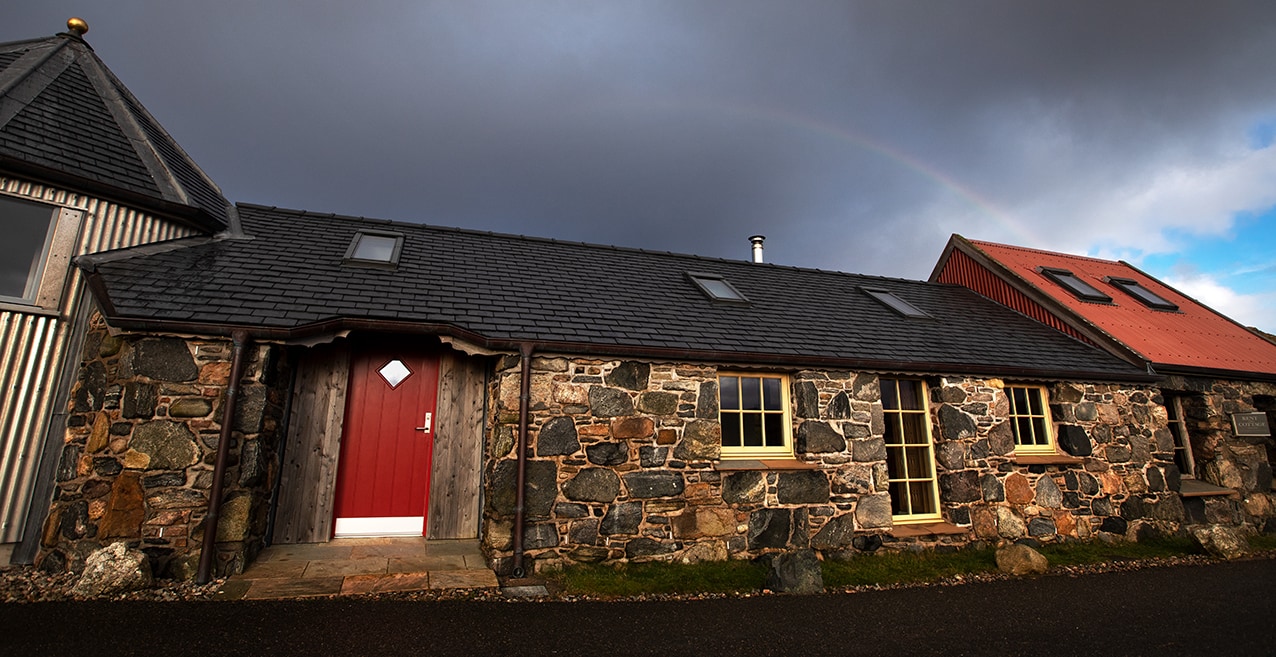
(757, 247)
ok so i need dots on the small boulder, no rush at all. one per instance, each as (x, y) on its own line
(1021, 560)
(796, 572)
(1220, 541)
(113, 569)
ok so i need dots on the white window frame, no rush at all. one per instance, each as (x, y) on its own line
(46, 283)
(931, 482)
(1017, 414)
(1177, 424)
(786, 425)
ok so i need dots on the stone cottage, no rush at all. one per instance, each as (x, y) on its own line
(288, 377)
(406, 378)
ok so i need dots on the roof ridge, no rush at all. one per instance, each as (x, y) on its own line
(1074, 256)
(553, 240)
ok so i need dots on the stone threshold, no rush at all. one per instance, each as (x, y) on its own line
(360, 566)
(927, 529)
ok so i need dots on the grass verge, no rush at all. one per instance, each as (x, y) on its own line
(632, 579)
(881, 569)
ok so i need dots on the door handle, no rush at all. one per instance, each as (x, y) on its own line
(428, 419)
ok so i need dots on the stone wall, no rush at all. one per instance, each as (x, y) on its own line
(1125, 471)
(1242, 463)
(141, 442)
(623, 464)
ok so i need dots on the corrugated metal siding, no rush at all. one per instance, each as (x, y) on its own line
(962, 270)
(34, 346)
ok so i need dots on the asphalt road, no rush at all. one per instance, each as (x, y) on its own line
(1221, 609)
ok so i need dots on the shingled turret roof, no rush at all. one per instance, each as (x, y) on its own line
(292, 276)
(66, 119)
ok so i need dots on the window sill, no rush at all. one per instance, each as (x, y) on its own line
(1198, 488)
(1047, 459)
(731, 465)
(933, 528)
(13, 307)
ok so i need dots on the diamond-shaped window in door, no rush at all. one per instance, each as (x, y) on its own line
(394, 372)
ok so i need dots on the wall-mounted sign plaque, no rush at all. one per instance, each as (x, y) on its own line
(1251, 424)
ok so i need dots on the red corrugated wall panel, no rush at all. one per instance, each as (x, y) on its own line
(962, 270)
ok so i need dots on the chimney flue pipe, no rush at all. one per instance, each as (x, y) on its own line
(757, 247)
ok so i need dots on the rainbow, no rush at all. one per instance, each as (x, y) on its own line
(824, 130)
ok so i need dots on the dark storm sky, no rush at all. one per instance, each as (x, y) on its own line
(856, 135)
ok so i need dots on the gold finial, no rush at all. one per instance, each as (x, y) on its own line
(77, 25)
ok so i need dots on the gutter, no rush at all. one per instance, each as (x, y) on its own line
(240, 341)
(514, 345)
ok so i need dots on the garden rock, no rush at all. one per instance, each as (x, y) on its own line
(1221, 541)
(1021, 560)
(796, 572)
(113, 569)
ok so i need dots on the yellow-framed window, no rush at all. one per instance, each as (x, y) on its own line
(1030, 420)
(754, 411)
(910, 457)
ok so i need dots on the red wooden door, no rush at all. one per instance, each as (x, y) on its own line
(383, 476)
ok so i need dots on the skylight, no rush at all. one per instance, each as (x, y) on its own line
(716, 287)
(1146, 296)
(371, 247)
(895, 303)
(1073, 283)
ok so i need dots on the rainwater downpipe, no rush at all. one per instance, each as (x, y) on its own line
(239, 340)
(520, 480)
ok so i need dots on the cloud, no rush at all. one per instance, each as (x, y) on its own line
(855, 135)
(1258, 310)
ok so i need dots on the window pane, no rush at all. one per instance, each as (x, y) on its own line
(1023, 431)
(899, 498)
(1018, 400)
(729, 392)
(910, 396)
(1034, 401)
(895, 463)
(890, 398)
(731, 430)
(26, 226)
(894, 435)
(374, 247)
(921, 499)
(750, 394)
(914, 428)
(752, 429)
(1039, 431)
(718, 288)
(774, 423)
(918, 462)
(771, 395)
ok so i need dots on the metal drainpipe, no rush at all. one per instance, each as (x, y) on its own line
(520, 481)
(239, 340)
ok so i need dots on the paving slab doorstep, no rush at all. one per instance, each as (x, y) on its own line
(350, 566)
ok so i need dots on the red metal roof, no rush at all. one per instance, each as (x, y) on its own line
(1194, 336)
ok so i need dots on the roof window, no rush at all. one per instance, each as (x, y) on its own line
(1073, 283)
(1144, 295)
(374, 248)
(888, 299)
(717, 288)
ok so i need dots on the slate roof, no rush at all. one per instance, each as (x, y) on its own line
(65, 118)
(287, 280)
(1190, 339)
